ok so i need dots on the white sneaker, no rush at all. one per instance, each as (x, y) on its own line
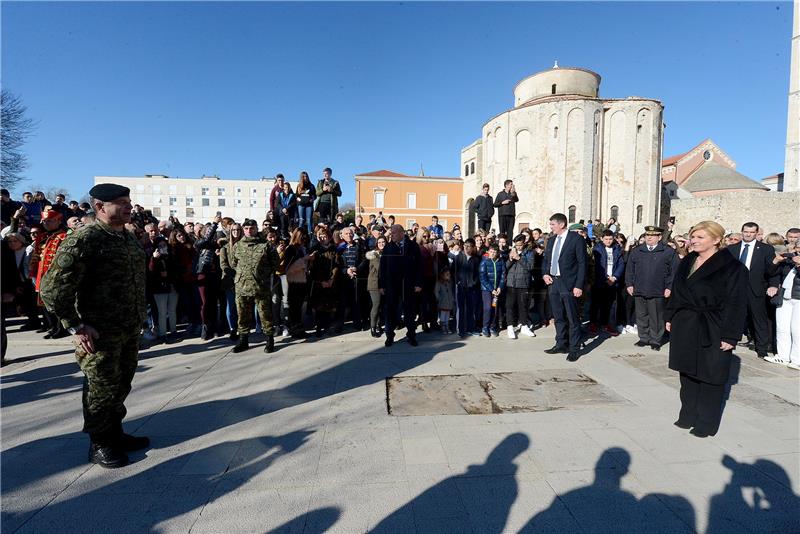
(776, 359)
(630, 329)
(512, 334)
(526, 331)
(795, 366)
(285, 332)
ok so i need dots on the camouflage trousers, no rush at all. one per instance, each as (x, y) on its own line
(244, 307)
(108, 374)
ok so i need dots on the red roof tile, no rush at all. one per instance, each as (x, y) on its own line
(383, 173)
(673, 159)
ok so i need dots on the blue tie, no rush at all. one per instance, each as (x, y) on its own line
(743, 257)
(554, 259)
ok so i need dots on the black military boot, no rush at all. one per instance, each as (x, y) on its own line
(107, 456)
(270, 346)
(243, 344)
(127, 442)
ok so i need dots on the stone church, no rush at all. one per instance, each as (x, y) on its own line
(568, 150)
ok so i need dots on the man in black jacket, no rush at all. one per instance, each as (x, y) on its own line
(400, 280)
(484, 208)
(564, 266)
(648, 277)
(507, 211)
(763, 284)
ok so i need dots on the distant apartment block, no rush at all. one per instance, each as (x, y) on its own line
(197, 199)
(411, 199)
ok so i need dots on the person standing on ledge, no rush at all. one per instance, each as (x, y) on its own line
(328, 193)
(507, 211)
(483, 206)
(96, 287)
(704, 316)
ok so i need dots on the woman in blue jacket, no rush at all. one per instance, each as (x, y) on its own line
(609, 267)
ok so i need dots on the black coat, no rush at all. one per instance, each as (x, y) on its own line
(506, 209)
(763, 273)
(484, 207)
(571, 259)
(705, 309)
(400, 271)
(650, 273)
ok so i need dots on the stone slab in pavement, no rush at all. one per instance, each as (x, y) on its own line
(301, 441)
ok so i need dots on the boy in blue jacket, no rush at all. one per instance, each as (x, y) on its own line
(493, 278)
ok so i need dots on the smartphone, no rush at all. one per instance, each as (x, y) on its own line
(672, 220)
(219, 214)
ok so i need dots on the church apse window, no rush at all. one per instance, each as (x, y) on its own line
(614, 212)
(553, 89)
(571, 211)
(472, 168)
(555, 132)
(639, 210)
(466, 170)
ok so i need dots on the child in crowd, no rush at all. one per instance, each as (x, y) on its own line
(492, 276)
(518, 279)
(445, 300)
(466, 267)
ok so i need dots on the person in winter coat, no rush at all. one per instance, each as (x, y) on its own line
(286, 209)
(373, 260)
(787, 314)
(328, 193)
(518, 281)
(704, 316)
(235, 233)
(306, 194)
(400, 282)
(445, 299)
(649, 272)
(466, 275)
(160, 284)
(493, 277)
(483, 206)
(207, 271)
(505, 203)
(609, 268)
(324, 271)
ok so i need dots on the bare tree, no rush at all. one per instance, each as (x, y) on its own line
(50, 191)
(15, 128)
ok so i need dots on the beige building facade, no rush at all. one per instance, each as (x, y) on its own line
(197, 199)
(791, 172)
(570, 151)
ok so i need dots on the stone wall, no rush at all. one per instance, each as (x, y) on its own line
(773, 211)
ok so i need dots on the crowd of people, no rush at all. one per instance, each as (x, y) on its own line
(375, 275)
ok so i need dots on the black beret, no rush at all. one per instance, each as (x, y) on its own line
(249, 222)
(109, 192)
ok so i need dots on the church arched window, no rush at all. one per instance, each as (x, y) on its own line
(555, 132)
(472, 168)
(639, 210)
(615, 212)
(553, 89)
(466, 170)
(571, 211)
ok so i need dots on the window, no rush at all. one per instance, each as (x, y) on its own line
(173, 190)
(157, 212)
(615, 212)
(639, 210)
(206, 202)
(412, 201)
(173, 213)
(204, 191)
(254, 192)
(410, 223)
(443, 222)
(253, 203)
(173, 201)
(553, 89)
(140, 188)
(190, 212)
(571, 216)
(472, 168)
(442, 202)
(220, 191)
(220, 202)
(379, 199)
(555, 132)
(238, 191)
(190, 201)
(238, 202)
(466, 170)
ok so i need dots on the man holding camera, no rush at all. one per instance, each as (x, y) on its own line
(328, 193)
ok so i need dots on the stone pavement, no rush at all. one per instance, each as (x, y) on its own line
(301, 441)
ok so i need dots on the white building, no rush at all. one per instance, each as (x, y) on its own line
(197, 199)
(570, 151)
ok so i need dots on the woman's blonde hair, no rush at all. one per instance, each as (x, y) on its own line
(711, 228)
(774, 239)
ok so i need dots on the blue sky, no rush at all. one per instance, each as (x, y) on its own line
(244, 90)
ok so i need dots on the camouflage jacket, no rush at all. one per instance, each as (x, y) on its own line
(97, 278)
(255, 261)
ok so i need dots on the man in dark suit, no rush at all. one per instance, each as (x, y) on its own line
(564, 269)
(400, 280)
(763, 283)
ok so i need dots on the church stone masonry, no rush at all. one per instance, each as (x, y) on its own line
(570, 151)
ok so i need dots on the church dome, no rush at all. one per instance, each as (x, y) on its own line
(557, 81)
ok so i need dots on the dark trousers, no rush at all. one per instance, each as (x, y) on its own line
(208, 286)
(325, 212)
(297, 294)
(393, 302)
(701, 404)
(466, 304)
(626, 314)
(483, 224)
(349, 299)
(565, 314)
(758, 321)
(650, 319)
(489, 311)
(507, 225)
(603, 297)
(517, 302)
(427, 301)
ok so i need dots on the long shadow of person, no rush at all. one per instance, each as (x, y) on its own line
(604, 506)
(455, 497)
(167, 490)
(758, 498)
(320, 520)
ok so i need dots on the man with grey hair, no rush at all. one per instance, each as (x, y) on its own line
(400, 282)
(352, 254)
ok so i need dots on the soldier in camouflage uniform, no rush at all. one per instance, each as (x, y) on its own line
(96, 287)
(255, 261)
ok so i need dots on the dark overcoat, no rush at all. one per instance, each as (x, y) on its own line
(705, 309)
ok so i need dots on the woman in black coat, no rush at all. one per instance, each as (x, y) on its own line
(705, 316)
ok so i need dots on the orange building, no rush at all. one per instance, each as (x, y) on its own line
(411, 199)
